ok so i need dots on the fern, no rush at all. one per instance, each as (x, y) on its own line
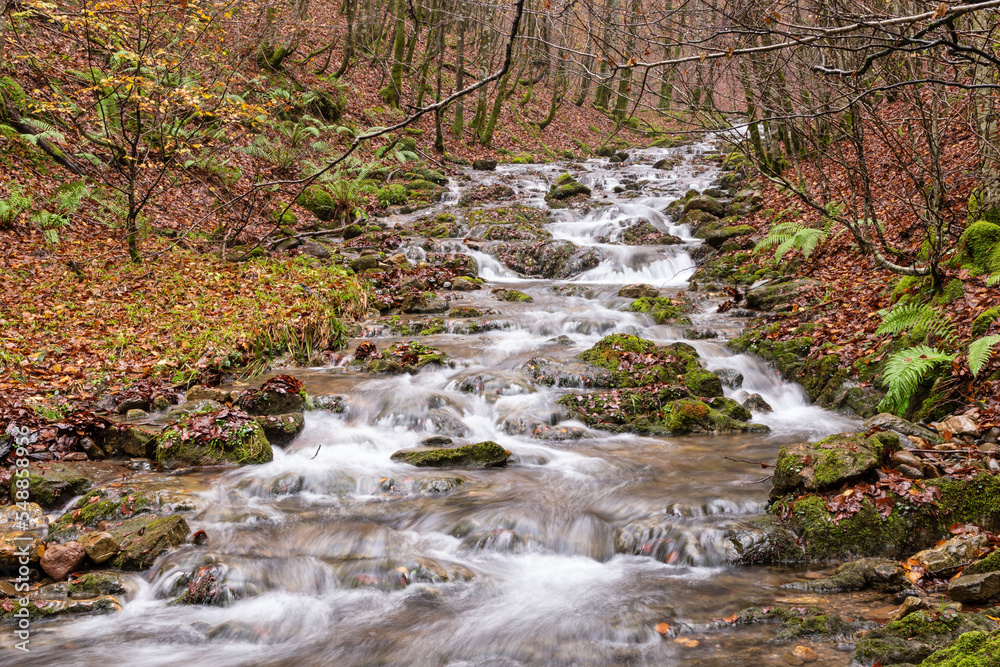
(980, 352)
(905, 371)
(916, 317)
(791, 235)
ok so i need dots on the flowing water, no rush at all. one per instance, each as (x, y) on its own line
(572, 555)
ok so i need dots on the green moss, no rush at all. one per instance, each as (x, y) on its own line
(242, 443)
(952, 291)
(703, 383)
(317, 201)
(984, 320)
(980, 242)
(971, 649)
(144, 538)
(989, 564)
(513, 295)
(663, 309)
(484, 454)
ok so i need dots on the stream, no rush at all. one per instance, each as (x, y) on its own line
(574, 554)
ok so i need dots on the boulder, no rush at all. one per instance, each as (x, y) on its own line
(422, 304)
(829, 463)
(974, 588)
(462, 284)
(730, 377)
(362, 264)
(61, 559)
(705, 203)
(756, 403)
(317, 250)
(143, 538)
(891, 422)
(23, 516)
(881, 574)
(19, 544)
(639, 290)
(952, 554)
(565, 187)
(958, 425)
(481, 455)
(777, 296)
(280, 395)
(133, 441)
(484, 165)
(53, 483)
(281, 429)
(226, 436)
(201, 392)
(99, 546)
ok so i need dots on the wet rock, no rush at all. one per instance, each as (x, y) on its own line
(100, 583)
(911, 604)
(565, 187)
(667, 163)
(761, 540)
(193, 407)
(700, 334)
(974, 588)
(40, 609)
(890, 422)
(424, 304)
(557, 259)
(481, 455)
(639, 290)
(22, 516)
(213, 584)
(642, 232)
(143, 538)
(362, 264)
(203, 393)
(756, 403)
(225, 436)
(881, 574)
(281, 429)
(730, 377)
(696, 219)
(952, 554)
(705, 203)
(512, 295)
(716, 236)
(829, 463)
(464, 285)
(497, 539)
(18, 544)
(280, 395)
(777, 296)
(137, 441)
(61, 559)
(330, 402)
(914, 638)
(484, 165)
(958, 425)
(100, 546)
(53, 483)
(136, 414)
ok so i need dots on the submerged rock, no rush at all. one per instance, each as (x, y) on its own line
(881, 574)
(482, 455)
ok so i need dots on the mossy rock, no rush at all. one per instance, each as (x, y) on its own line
(984, 321)
(881, 574)
(107, 582)
(705, 203)
(317, 201)
(916, 637)
(237, 440)
(981, 243)
(777, 296)
(43, 609)
(133, 441)
(54, 483)
(281, 429)
(481, 455)
(663, 310)
(830, 463)
(271, 402)
(971, 649)
(512, 295)
(565, 187)
(718, 237)
(143, 538)
(909, 527)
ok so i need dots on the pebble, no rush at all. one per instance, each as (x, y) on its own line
(805, 654)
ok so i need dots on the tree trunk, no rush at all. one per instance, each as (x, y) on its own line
(352, 8)
(390, 94)
(458, 124)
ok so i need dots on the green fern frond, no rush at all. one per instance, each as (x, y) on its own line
(980, 352)
(904, 372)
(905, 317)
(788, 236)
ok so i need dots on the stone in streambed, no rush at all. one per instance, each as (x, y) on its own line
(890, 422)
(829, 463)
(974, 587)
(638, 291)
(953, 553)
(565, 187)
(281, 429)
(61, 559)
(54, 482)
(881, 574)
(19, 544)
(482, 455)
(756, 403)
(226, 436)
(484, 165)
(99, 546)
(144, 538)
(705, 203)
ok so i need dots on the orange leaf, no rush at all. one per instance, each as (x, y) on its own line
(662, 628)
